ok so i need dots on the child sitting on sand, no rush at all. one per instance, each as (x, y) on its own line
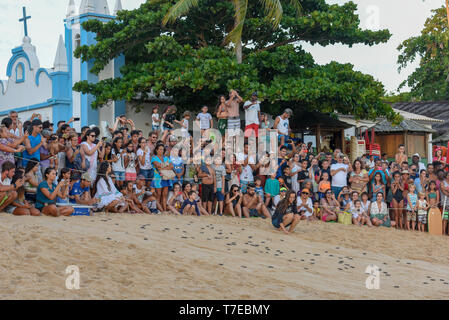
(176, 200)
(316, 209)
(344, 198)
(130, 197)
(357, 213)
(422, 211)
(198, 200)
(190, 205)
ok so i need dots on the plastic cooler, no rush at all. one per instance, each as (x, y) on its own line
(79, 209)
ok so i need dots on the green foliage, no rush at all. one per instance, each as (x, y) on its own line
(430, 80)
(188, 60)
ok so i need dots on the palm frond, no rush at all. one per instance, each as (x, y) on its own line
(235, 35)
(180, 8)
(273, 10)
(297, 5)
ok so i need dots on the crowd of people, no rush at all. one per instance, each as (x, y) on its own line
(50, 170)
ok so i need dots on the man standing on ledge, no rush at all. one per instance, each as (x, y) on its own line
(252, 116)
(232, 106)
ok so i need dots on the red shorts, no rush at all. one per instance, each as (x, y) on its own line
(252, 128)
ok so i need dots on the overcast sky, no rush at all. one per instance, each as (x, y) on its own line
(404, 18)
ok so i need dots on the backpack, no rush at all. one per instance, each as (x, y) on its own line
(77, 163)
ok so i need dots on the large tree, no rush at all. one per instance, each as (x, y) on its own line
(430, 79)
(188, 60)
(273, 9)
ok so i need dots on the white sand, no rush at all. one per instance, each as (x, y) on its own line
(35, 252)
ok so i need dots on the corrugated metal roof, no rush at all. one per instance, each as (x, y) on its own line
(417, 117)
(405, 125)
(434, 109)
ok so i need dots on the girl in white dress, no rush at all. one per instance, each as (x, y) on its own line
(110, 199)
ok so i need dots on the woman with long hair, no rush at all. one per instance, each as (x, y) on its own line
(233, 201)
(118, 166)
(222, 115)
(161, 162)
(397, 204)
(144, 159)
(72, 150)
(31, 179)
(379, 212)
(92, 152)
(286, 214)
(358, 178)
(110, 198)
(47, 192)
(330, 207)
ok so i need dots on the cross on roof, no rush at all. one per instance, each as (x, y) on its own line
(24, 19)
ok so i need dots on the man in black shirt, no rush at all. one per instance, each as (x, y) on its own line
(303, 174)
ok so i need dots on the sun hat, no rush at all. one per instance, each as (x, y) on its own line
(405, 172)
(289, 111)
(283, 189)
(86, 176)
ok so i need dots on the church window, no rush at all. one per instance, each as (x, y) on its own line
(20, 72)
(77, 41)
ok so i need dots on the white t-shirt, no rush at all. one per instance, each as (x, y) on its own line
(252, 113)
(247, 171)
(117, 166)
(147, 165)
(155, 116)
(185, 128)
(6, 182)
(307, 212)
(205, 119)
(339, 180)
(283, 126)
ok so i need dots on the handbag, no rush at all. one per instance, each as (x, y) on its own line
(345, 218)
(168, 174)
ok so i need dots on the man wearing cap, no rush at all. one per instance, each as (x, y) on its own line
(415, 160)
(80, 192)
(282, 125)
(252, 116)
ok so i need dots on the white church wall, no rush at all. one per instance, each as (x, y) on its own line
(46, 113)
(106, 113)
(26, 93)
(142, 119)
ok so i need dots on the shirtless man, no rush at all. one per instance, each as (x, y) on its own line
(253, 204)
(232, 108)
(8, 191)
(401, 157)
(208, 183)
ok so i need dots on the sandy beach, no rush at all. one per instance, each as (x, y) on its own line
(167, 257)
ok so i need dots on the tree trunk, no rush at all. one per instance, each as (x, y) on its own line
(238, 51)
(447, 9)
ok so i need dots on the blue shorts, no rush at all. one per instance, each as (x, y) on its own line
(119, 175)
(148, 174)
(219, 196)
(253, 213)
(155, 128)
(277, 222)
(159, 184)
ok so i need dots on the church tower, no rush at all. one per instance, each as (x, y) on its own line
(76, 36)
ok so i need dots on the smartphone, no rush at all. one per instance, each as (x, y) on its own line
(104, 138)
(76, 119)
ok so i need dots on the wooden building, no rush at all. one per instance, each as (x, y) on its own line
(414, 136)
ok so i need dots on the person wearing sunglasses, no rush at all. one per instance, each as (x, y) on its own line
(330, 207)
(233, 201)
(305, 205)
(92, 152)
